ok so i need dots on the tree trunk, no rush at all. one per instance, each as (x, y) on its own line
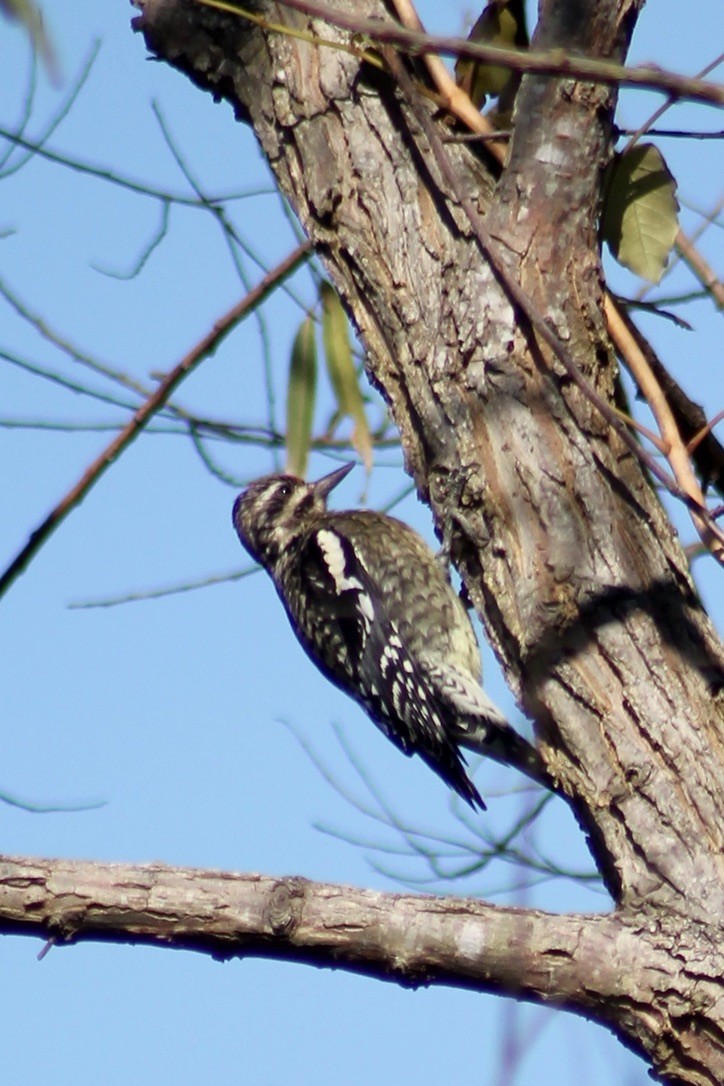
(562, 542)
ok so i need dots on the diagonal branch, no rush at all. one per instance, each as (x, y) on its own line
(676, 452)
(701, 269)
(146, 411)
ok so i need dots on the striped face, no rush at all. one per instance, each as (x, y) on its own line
(272, 512)
(276, 509)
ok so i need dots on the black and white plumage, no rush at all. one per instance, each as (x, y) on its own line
(372, 608)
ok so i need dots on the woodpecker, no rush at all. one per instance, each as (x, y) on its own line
(373, 609)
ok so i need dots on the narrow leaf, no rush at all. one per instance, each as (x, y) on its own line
(640, 213)
(342, 371)
(301, 396)
(29, 14)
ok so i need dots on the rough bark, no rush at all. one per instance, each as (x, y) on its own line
(562, 542)
(610, 968)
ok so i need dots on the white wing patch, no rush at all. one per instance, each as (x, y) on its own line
(334, 557)
(391, 654)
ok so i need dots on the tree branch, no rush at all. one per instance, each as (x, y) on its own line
(549, 62)
(206, 346)
(583, 963)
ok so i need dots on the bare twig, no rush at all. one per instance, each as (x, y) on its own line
(50, 808)
(677, 453)
(665, 106)
(696, 441)
(140, 188)
(147, 410)
(159, 593)
(702, 445)
(698, 265)
(675, 133)
(552, 62)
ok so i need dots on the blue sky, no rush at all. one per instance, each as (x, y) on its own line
(180, 714)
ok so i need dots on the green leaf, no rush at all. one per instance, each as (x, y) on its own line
(342, 371)
(502, 23)
(301, 397)
(640, 211)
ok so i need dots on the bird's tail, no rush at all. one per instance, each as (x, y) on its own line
(482, 727)
(501, 743)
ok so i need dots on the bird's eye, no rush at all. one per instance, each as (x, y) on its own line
(284, 490)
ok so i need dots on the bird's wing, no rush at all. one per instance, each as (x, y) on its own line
(363, 643)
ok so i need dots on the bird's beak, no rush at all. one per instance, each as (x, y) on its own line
(327, 483)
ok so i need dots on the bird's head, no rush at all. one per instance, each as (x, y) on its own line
(276, 509)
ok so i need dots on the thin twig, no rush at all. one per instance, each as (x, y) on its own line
(232, 240)
(675, 133)
(666, 106)
(693, 445)
(698, 265)
(6, 167)
(147, 410)
(677, 453)
(139, 188)
(160, 593)
(708, 454)
(551, 62)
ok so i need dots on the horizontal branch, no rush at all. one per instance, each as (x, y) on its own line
(602, 966)
(409, 939)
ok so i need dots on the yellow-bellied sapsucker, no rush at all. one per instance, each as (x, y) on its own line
(371, 606)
